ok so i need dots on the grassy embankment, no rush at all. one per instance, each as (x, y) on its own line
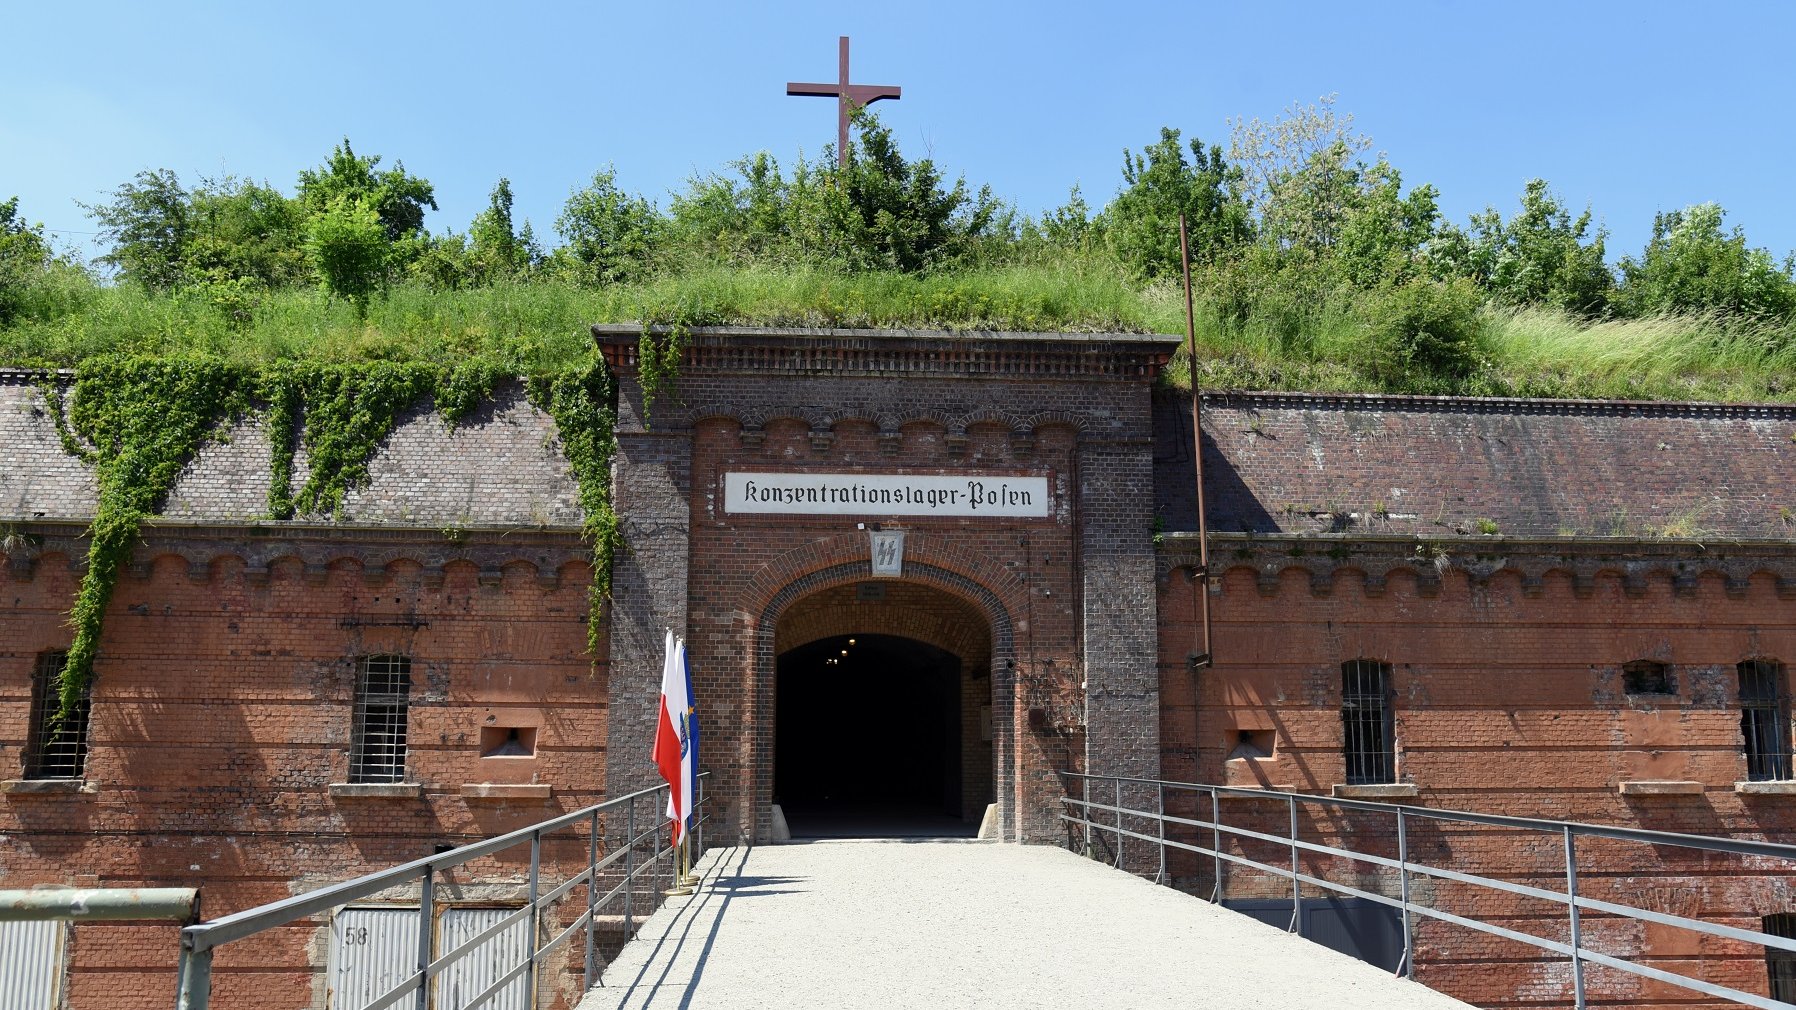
(540, 327)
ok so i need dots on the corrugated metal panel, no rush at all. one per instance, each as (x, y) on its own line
(469, 977)
(372, 951)
(31, 964)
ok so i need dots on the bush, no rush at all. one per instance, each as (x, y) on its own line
(1422, 335)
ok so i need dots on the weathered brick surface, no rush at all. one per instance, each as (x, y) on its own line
(500, 467)
(1417, 465)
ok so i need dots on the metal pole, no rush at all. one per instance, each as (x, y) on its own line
(1197, 454)
(1408, 967)
(536, 913)
(629, 869)
(1119, 835)
(1216, 845)
(655, 865)
(1160, 825)
(426, 898)
(592, 897)
(194, 985)
(1296, 885)
(1085, 813)
(1571, 894)
(698, 817)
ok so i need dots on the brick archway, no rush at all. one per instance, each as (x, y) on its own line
(958, 599)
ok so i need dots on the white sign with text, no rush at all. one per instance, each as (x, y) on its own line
(886, 494)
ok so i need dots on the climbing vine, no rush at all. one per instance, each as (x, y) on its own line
(346, 411)
(138, 421)
(580, 402)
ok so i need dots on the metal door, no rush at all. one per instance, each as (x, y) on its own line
(31, 963)
(470, 976)
(372, 951)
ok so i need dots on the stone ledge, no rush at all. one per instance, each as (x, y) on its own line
(1661, 787)
(56, 787)
(1782, 787)
(1377, 791)
(502, 791)
(376, 790)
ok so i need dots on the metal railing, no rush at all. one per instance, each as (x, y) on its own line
(198, 942)
(1104, 826)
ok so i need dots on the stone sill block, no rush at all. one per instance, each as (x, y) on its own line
(1661, 787)
(1782, 788)
(497, 791)
(376, 790)
(54, 787)
(1377, 791)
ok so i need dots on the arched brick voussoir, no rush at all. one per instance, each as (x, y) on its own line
(988, 415)
(852, 549)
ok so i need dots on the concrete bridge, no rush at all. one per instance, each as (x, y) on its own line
(952, 923)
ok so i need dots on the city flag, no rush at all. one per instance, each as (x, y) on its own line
(672, 744)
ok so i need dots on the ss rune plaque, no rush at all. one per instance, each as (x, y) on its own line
(888, 553)
(887, 494)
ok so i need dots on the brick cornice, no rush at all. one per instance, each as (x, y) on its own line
(1637, 564)
(1511, 405)
(982, 354)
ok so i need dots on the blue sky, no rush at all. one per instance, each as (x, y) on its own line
(1631, 108)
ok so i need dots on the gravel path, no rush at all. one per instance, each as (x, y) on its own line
(965, 924)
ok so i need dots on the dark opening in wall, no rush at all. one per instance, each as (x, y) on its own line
(1252, 743)
(507, 741)
(1780, 965)
(1647, 676)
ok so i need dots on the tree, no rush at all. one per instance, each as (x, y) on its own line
(24, 256)
(894, 214)
(1691, 265)
(347, 244)
(498, 249)
(1542, 256)
(1142, 224)
(744, 215)
(610, 234)
(1299, 172)
(148, 226)
(244, 231)
(397, 198)
(1385, 234)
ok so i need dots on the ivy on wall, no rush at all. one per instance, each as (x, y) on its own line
(139, 421)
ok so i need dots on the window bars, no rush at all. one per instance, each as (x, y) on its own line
(1765, 720)
(1368, 731)
(57, 748)
(382, 696)
(1780, 965)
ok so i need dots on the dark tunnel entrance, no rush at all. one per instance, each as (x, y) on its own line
(869, 739)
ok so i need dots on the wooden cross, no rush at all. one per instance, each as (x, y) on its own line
(849, 97)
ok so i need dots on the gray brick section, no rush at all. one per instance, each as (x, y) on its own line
(1435, 466)
(37, 479)
(501, 467)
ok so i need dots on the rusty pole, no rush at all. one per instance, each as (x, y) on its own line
(1202, 575)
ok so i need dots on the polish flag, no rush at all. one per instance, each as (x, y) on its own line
(673, 743)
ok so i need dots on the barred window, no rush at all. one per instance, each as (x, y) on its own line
(57, 747)
(1765, 720)
(1780, 964)
(1368, 729)
(383, 690)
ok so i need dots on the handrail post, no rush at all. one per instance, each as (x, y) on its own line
(655, 857)
(1571, 903)
(426, 899)
(1408, 967)
(1160, 826)
(194, 984)
(1119, 829)
(536, 912)
(1216, 846)
(698, 821)
(1296, 885)
(630, 870)
(592, 897)
(1085, 812)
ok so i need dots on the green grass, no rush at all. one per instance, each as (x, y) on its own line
(1290, 341)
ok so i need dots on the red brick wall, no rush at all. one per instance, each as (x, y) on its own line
(222, 713)
(1508, 699)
